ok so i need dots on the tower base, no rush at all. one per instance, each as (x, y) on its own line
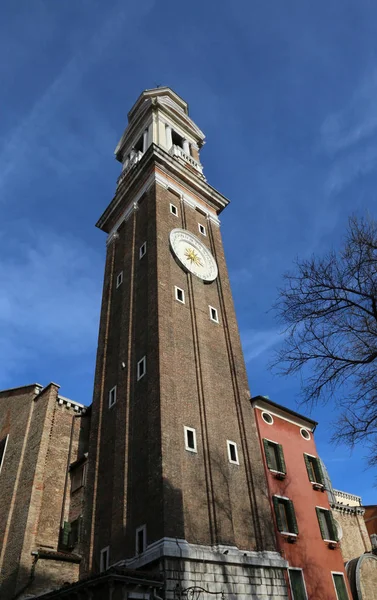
(195, 572)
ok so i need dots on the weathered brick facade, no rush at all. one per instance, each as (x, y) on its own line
(41, 430)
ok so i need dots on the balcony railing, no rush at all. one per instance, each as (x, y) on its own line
(130, 162)
(177, 151)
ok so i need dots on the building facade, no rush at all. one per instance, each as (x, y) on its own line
(306, 531)
(175, 479)
(41, 434)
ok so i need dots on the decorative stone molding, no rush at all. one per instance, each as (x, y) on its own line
(345, 509)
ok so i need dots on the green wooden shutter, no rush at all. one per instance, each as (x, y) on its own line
(307, 463)
(320, 522)
(267, 453)
(277, 513)
(65, 533)
(293, 527)
(340, 585)
(332, 527)
(318, 471)
(282, 466)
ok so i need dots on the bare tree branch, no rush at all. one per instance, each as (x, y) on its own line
(328, 308)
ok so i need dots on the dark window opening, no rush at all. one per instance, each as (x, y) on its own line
(138, 147)
(140, 540)
(177, 139)
(233, 452)
(190, 439)
(3, 443)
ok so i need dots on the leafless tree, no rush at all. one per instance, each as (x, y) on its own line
(328, 307)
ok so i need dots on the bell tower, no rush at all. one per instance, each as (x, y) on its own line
(176, 481)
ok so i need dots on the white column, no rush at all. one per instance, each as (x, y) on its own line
(145, 140)
(169, 141)
(186, 147)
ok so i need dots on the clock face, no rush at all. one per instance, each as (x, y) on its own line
(193, 255)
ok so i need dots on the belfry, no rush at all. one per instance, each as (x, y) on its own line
(176, 480)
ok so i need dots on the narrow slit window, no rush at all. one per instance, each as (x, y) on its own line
(232, 452)
(143, 250)
(141, 368)
(104, 559)
(202, 229)
(112, 396)
(174, 210)
(141, 539)
(213, 314)
(3, 447)
(119, 278)
(190, 439)
(179, 295)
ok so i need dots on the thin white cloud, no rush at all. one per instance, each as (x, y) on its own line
(255, 342)
(356, 121)
(34, 133)
(49, 300)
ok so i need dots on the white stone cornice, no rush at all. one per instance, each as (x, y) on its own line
(226, 555)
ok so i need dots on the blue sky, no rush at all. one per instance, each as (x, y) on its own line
(286, 95)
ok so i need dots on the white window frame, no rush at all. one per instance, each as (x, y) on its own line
(113, 392)
(5, 449)
(265, 412)
(187, 447)
(229, 443)
(333, 580)
(176, 290)
(142, 361)
(328, 510)
(173, 209)
(142, 250)
(306, 431)
(303, 579)
(119, 279)
(202, 229)
(211, 308)
(142, 528)
(104, 552)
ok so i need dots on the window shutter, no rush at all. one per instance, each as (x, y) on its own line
(282, 466)
(319, 472)
(293, 528)
(333, 527)
(307, 462)
(65, 533)
(267, 453)
(320, 516)
(277, 513)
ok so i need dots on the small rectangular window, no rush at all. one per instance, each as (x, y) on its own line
(141, 539)
(112, 396)
(141, 368)
(202, 229)
(78, 477)
(274, 456)
(119, 278)
(340, 586)
(314, 469)
(179, 294)
(143, 250)
(104, 559)
(190, 439)
(232, 452)
(285, 515)
(326, 524)
(174, 210)
(3, 447)
(298, 589)
(213, 314)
